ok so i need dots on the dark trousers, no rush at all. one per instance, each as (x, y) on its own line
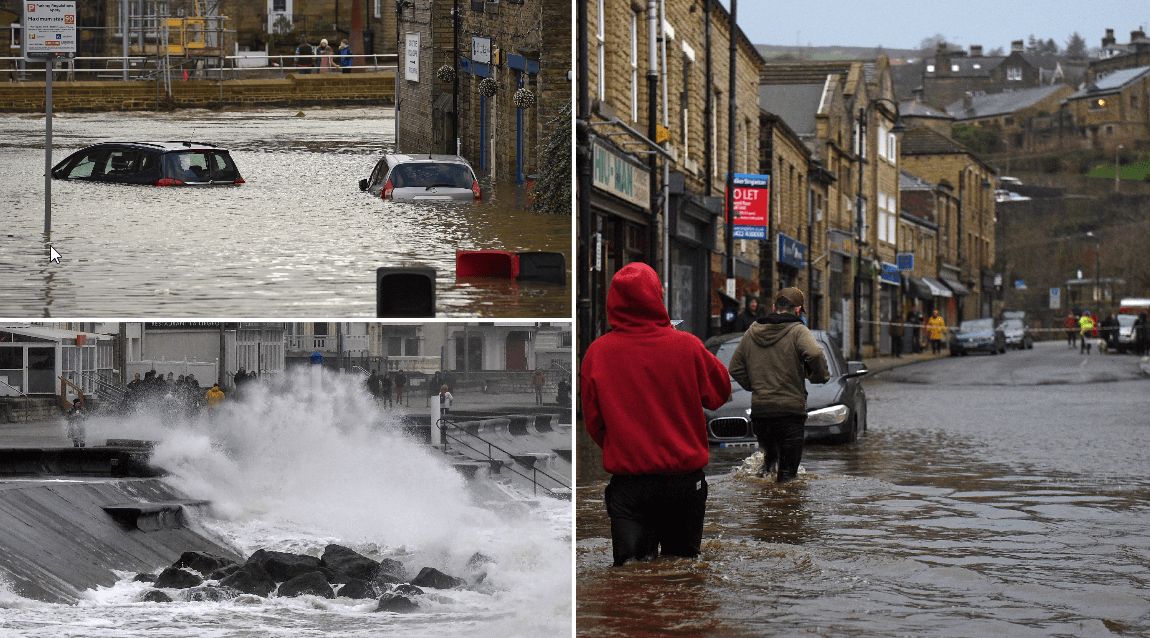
(896, 345)
(650, 511)
(781, 440)
(936, 346)
(1071, 338)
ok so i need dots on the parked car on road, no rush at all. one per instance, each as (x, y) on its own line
(976, 335)
(1127, 338)
(1017, 333)
(836, 410)
(156, 163)
(399, 177)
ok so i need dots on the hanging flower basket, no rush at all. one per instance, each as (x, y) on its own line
(488, 87)
(445, 73)
(524, 99)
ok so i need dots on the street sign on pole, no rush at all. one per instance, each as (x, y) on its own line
(49, 33)
(1055, 299)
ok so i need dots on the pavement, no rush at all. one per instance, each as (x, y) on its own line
(880, 364)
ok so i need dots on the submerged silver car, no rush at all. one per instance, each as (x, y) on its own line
(399, 177)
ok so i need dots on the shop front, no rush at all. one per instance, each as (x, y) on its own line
(692, 240)
(888, 303)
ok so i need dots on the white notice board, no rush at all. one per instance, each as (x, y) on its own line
(49, 29)
(411, 53)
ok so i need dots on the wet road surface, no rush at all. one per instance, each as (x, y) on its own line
(1005, 495)
(298, 239)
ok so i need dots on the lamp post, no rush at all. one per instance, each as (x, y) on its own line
(1097, 267)
(864, 112)
(1116, 149)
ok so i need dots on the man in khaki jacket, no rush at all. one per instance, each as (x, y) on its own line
(774, 357)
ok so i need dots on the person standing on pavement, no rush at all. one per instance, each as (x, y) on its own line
(345, 58)
(748, 315)
(537, 381)
(935, 327)
(76, 416)
(771, 362)
(643, 387)
(1071, 324)
(1142, 333)
(896, 332)
(914, 318)
(214, 396)
(1086, 332)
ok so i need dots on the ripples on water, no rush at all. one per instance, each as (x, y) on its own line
(964, 512)
(311, 461)
(298, 239)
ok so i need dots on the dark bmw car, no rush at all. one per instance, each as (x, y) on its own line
(978, 335)
(836, 410)
(155, 163)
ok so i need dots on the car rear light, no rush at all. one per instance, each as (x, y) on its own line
(387, 189)
(239, 180)
(167, 181)
(478, 194)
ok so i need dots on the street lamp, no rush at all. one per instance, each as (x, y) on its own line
(1116, 149)
(856, 349)
(1097, 268)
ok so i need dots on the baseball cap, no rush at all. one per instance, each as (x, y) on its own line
(789, 296)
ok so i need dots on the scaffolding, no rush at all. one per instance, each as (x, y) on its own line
(190, 40)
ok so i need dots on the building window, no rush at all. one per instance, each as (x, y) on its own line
(379, 8)
(930, 68)
(1014, 74)
(634, 67)
(1098, 104)
(1133, 101)
(601, 56)
(954, 68)
(882, 140)
(281, 5)
(892, 148)
(1109, 130)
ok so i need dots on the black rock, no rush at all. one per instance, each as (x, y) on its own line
(392, 567)
(342, 560)
(334, 577)
(252, 578)
(175, 578)
(478, 559)
(210, 594)
(396, 603)
(156, 596)
(202, 562)
(407, 589)
(282, 566)
(356, 588)
(312, 583)
(144, 578)
(224, 572)
(435, 579)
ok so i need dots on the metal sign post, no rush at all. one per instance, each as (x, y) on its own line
(49, 33)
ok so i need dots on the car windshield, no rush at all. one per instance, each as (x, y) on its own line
(977, 325)
(427, 174)
(1126, 321)
(200, 166)
(727, 350)
(1011, 324)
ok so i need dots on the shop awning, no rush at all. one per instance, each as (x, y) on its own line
(917, 288)
(958, 288)
(936, 288)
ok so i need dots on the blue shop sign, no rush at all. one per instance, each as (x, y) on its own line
(905, 261)
(792, 252)
(889, 273)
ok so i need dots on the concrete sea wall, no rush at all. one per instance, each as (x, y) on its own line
(329, 89)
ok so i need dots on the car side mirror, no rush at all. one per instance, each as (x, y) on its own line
(363, 184)
(856, 369)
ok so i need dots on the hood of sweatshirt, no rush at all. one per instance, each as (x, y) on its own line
(768, 330)
(635, 300)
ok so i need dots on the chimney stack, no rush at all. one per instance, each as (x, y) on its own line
(1109, 39)
(1018, 46)
(976, 50)
(1137, 35)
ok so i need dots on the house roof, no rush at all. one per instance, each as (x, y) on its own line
(1000, 103)
(968, 67)
(918, 109)
(803, 72)
(796, 104)
(907, 182)
(925, 141)
(1113, 82)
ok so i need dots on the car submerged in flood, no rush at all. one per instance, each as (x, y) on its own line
(399, 177)
(155, 163)
(836, 410)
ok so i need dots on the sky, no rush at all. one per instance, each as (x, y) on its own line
(991, 23)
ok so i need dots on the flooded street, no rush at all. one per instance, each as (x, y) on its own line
(298, 239)
(1004, 495)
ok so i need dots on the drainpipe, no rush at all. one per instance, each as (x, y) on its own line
(708, 115)
(732, 113)
(583, 167)
(652, 126)
(666, 163)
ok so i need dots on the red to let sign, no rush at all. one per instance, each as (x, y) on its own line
(751, 198)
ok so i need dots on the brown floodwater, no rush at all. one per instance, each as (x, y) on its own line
(298, 239)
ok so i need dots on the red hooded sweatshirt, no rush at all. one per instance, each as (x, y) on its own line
(644, 384)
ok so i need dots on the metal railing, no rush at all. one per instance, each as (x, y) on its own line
(108, 389)
(444, 426)
(20, 392)
(68, 69)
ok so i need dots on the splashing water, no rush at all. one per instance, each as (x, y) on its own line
(308, 459)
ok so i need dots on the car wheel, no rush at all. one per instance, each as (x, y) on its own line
(852, 434)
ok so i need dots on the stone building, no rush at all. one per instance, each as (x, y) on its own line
(967, 254)
(1016, 115)
(519, 46)
(683, 239)
(928, 223)
(1113, 110)
(951, 74)
(1116, 57)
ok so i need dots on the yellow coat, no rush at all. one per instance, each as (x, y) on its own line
(214, 396)
(1086, 325)
(936, 326)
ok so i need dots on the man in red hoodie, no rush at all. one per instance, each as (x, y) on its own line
(644, 386)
